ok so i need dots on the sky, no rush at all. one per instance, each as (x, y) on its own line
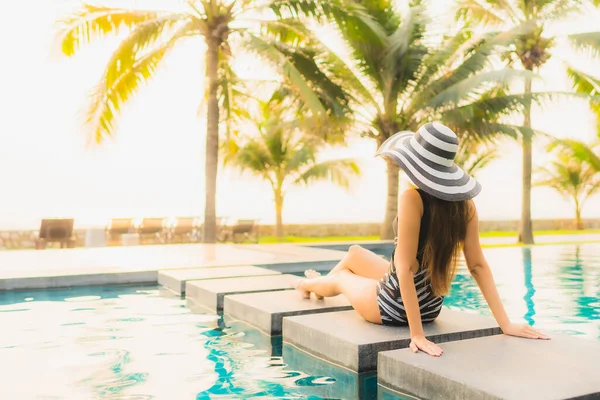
(154, 166)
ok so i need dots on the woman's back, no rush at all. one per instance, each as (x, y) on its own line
(390, 300)
(423, 231)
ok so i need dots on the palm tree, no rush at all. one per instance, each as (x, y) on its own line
(285, 154)
(222, 25)
(403, 79)
(532, 51)
(571, 176)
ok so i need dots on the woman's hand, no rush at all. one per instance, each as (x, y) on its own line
(421, 343)
(524, 331)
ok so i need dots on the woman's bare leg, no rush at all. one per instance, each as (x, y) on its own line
(362, 262)
(360, 291)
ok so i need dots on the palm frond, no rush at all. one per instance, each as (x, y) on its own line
(329, 91)
(588, 85)
(366, 34)
(304, 155)
(233, 98)
(475, 61)
(579, 150)
(113, 91)
(473, 156)
(353, 84)
(341, 11)
(560, 9)
(464, 89)
(591, 189)
(143, 36)
(271, 52)
(255, 158)
(441, 58)
(479, 12)
(403, 57)
(485, 131)
(91, 22)
(286, 30)
(588, 41)
(498, 104)
(339, 172)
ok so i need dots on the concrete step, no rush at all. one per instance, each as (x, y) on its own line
(265, 311)
(175, 279)
(347, 340)
(497, 367)
(210, 294)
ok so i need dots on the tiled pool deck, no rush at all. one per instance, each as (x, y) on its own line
(31, 269)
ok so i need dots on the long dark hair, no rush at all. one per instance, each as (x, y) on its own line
(446, 234)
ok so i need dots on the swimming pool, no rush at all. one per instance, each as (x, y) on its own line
(141, 343)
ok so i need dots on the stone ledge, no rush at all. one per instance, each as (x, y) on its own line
(266, 311)
(176, 279)
(497, 367)
(63, 281)
(211, 293)
(356, 345)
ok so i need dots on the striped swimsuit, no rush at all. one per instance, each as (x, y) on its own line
(389, 298)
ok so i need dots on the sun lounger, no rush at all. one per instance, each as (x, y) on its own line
(56, 231)
(185, 227)
(242, 230)
(119, 226)
(153, 227)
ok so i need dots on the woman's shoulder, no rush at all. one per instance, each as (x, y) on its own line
(411, 197)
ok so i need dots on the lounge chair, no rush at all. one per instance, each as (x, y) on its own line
(188, 227)
(56, 231)
(152, 227)
(242, 230)
(119, 226)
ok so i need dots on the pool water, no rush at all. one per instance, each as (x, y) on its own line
(135, 343)
(554, 288)
(138, 343)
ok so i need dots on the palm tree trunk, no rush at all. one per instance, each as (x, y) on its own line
(578, 222)
(212, 142)
(525, 226)
(278, 213)
(391, 209)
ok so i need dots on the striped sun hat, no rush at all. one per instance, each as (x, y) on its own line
(427, 157)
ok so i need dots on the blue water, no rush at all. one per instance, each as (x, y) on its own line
(139, 343)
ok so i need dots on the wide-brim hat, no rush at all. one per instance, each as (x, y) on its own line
(427, 157)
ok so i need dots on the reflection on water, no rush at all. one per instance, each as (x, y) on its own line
(529, 289)
(555, 288)
(137, 344)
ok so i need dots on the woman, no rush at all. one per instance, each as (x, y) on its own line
(434, 222)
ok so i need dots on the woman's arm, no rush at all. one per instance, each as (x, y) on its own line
(481, 272)
(410, 210)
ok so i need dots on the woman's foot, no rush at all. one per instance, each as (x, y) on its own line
(297, 284)
(310, 274)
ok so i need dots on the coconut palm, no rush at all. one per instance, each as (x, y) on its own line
(403, 78)
(572, 176)
(532, 51)
(284, 154)
(225, 27)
